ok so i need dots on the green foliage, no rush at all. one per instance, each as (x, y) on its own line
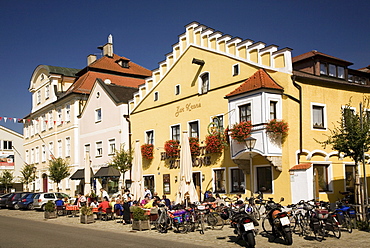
(50, 206)
(58, 170)
(352, 136)
(139, 214)
(6, 179)
(27, 174)
(121, 160)
(85, 210)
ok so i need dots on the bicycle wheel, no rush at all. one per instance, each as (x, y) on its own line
(201, 224)
(215, 221)
(256, 213)
(298, 227)
(348, 223)
(306, 226)
(319, 234)
(266, 226)
(336, 231)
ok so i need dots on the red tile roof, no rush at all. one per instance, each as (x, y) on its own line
(85, 83)
(110, 63)
(304, 166)
(260, 79)
(314, 53)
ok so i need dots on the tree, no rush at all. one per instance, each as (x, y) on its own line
(122, 160)
(58, 170)
(352, 137)
(6, 179)
(27, 175)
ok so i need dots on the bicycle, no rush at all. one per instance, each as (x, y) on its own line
(164, 222)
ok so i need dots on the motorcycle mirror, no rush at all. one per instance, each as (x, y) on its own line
(282, 199)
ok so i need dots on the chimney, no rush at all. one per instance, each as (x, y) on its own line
(108, 48)
(91, 59)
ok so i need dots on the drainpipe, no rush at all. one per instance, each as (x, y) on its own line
(127, 117)
(300, 117)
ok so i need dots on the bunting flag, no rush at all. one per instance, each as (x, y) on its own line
(30, 121)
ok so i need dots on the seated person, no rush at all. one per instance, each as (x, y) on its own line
(94, 203)
(59, 202)
(103, 206)
(119, 207)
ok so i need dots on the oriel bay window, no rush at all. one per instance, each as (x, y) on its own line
(237, 180)
(219, 181)
(245, 112)
(264, 179)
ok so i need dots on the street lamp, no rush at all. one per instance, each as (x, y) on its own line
(250, 142)
(34, 169)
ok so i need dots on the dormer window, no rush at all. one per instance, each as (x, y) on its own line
(332, 70)
(123, 63)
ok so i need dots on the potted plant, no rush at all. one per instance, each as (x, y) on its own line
(241, 131)
(172, 148)
(87, 215)
(194, 146)
(277, 129)
(147, 151)
(140, 220)
(50, 210)
(215, 143)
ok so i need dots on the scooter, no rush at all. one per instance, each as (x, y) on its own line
(279, 221)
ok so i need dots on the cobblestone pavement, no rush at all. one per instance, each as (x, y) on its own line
(221, 238)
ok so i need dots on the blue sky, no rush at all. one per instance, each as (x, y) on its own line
(63, 33)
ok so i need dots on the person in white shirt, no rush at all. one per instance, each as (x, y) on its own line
(147, 192)
(104, 193)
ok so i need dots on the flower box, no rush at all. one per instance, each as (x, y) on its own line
(241, 131)
(194, 146)
(147, 151)
(172, 148)
(87, 219)
(215, 143)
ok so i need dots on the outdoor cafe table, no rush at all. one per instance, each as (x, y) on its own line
(74, 209)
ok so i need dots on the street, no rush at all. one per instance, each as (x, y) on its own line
(30, 229)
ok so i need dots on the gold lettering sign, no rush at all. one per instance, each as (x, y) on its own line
(188, 107)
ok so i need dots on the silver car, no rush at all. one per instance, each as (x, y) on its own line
(42, 198)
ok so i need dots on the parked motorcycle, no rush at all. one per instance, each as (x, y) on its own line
(242, 222)
(278, 220)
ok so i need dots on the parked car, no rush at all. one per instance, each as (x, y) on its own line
(12, 199)
(3, 200)
(42, 198)
(26, 201)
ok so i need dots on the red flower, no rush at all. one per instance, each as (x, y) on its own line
(241, 131)
(277, 127)
(172, 148)
(147, 151)
(215, 143)
(194, 146)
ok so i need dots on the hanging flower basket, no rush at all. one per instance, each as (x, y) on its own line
(277, 128)
(194, 146)
(172, 148)
(215, 143)
(241, 131)
(147, 151)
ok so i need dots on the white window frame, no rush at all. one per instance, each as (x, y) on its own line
(156, 96)
(325, 118)
(98, 149)
(38, 97)
(51, 149)
(255, 186)
(231, 181)
(37, 155)
(171, 134)
(214, 180)
(43, 153)
(235, 69)
(330, 175)
(98, 117)
(177, 89)
(32, 155)
(47, 92)
(60, 149)
(59, 116)
(190, 131)
(111, 146)
(27, 156)
(43, 124)
(147, 141)
(201, 88)
(68, 112)
(50, 119)
(68, 146)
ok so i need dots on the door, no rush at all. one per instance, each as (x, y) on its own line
(149, 183)
(44, 183)
(197, 183)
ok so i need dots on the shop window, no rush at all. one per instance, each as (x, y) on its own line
(322, 171)
(237, 180)
(245, 112)
(264, 179)
(219, 181)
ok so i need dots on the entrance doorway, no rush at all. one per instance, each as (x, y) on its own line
(198, 184)
(44, 183)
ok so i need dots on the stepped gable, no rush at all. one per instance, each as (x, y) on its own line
(258, 80)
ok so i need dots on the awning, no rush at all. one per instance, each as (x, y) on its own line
(105, 172)
(80, 174)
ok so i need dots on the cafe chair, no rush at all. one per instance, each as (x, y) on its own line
(107, 215)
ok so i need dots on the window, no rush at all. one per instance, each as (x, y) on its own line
(32, 156)
(219, 180)
(68, 147)
(350, 178)
(150, 137)
(323, 69)
(43, 123)
(332, 70)
(87, 148)
(273, 105)
(219, 120)
(235, 69)
(47, 92)
(245, 112)
(38, 97)
(43, 153)
(149, 183)
(175, 132)
(322, 171)
(156, 96)
(68, 112)
(318, 117)
(59, 148)
(112, 146)
(194, 129)
(50, 119)
(37, 155)
(204, 83)
(51, 150)
(97, 115)
(99, 149)
(350, 78)
(177, 90)
(32, 127)
(59, 116)
(264, 179)
(27, 157)
(340, 72)
(7, 145)
(36, 127)
(237, 180)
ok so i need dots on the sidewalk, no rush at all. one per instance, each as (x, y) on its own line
(214, 238)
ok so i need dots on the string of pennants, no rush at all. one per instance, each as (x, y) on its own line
(20, 120)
